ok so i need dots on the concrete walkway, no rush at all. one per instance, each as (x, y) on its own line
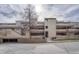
(39, 48)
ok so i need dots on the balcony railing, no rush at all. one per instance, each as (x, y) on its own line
(67, 30)
(61, 30)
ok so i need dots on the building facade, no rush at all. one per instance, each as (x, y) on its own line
(20, 32)
(61, 30)
(50, 29)
(46, 31)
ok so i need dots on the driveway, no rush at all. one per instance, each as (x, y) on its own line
(39, 48)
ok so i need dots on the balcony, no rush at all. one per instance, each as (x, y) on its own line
(67, 30)
(64, 24)
(37, 27)
(36, 31)
(72, 30)
(61, 37)
(37, 37)
(61, 30)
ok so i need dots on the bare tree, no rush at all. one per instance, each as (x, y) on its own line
(29, 15)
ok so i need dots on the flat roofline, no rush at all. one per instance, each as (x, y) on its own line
(67, 22)
(50, 18)
(7, 23)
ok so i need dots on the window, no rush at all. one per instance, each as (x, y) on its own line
(46, 34)
(46, 27)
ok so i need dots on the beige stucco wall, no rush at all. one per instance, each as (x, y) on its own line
(10, 34)
(31, 40)
(51, 23)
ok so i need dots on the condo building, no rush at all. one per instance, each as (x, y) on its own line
(61, 30)
(46, 31)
